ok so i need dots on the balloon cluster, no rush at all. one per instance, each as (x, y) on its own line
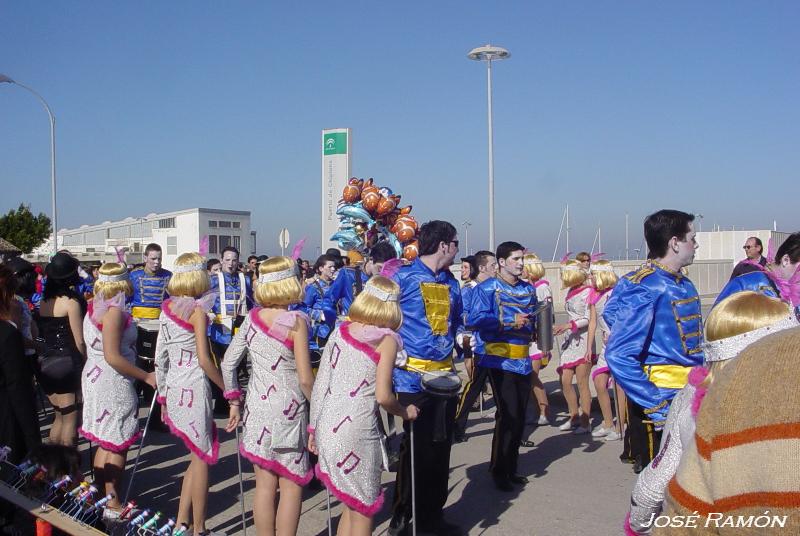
(368, 215)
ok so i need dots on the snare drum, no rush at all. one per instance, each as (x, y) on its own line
(442, 383)
(147, 334)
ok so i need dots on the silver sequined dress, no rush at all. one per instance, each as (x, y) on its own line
(183, 388)
(599, 300)
(110, 403)
(343, 417)
(574, 341)
(274, 417)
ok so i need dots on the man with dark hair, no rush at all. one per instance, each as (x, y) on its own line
(350, 281)
(233, 301)
(430, 299)
(337, 257)
(656, 330)
(502, 312)
(315, 291)
(149, 291)
(213, 267)
(468, 269)
(252, 264)
(754, 259)
(487, 268)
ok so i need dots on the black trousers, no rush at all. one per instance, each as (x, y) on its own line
(468, 397)
(431, 458)
(644, 439)
(218, 351)
(511, 392)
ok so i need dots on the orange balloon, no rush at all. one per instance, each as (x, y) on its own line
(405, 232)
(411, 251)
(386, 205)
(352, 192)
(370, 200)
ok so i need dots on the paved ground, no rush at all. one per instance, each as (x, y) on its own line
(578, 485)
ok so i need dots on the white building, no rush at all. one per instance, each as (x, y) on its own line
(176, 232)
(715, 245)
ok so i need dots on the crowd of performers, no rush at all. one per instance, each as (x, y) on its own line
(326, 352)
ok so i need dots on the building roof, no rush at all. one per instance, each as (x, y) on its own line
(8, 247)
(152, 217)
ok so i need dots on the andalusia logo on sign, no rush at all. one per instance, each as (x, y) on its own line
(335, 143)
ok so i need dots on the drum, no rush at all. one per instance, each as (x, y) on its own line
(441, 383)
(147, 334)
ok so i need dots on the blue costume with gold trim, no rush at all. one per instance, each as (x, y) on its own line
(656, 336)
(312, 306)
(432, 314)
(492, 310)
(755, 281)
(221, 330)
(149, 292)
(340, 294)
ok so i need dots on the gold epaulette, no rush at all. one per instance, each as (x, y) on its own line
(641, 273)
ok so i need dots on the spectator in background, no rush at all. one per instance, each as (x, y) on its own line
(585, 260)
(754, 249)
(252, 265)
(213, 267)
(18, 427)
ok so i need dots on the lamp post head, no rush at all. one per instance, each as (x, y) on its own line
(488, 53)
(4, 78)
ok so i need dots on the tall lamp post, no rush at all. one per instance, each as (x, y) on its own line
(6, 79)
(489, 54)
(466, 225)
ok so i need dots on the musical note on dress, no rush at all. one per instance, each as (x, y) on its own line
(299, 458)
(191, 397)
(245, 415)
(196, 433)
(357, 389)
(335, 351)
(348, 470)
(275, 366)
(188, 354)
(271, 389)
(102, 416)
(264, 430)
(346, 419)
(250, 334)
(96, 372)
(97, 344)
(293, 408)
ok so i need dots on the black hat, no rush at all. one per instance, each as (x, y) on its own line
(262, 258)
(62, 266)
(18, 265)
(334, 252)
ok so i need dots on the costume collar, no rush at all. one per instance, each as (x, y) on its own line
(677, 275)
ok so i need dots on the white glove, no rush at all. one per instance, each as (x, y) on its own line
(401, 359)
(82, 272)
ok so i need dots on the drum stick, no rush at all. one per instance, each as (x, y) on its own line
(413, 486)
(330, 525)
(139, 450)
(241, 484)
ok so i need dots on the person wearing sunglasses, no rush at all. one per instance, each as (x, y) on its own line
(753, 250)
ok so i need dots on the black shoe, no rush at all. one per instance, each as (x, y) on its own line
(526, 443)
(399, 526)
(441, 527)
(459, 437)
(637, 467)
(518, 479)
(502, 483)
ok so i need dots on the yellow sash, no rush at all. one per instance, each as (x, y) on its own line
(148, 313)
(416, 364)
(507, 350)
(668, 376)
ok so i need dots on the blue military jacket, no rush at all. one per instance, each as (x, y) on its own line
(432, 309)
(218, 331)
(312, 306)
(494, 306)
(340, 295)
(755, 281)
(656, 336)
(149, 292)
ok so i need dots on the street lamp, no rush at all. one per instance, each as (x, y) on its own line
(4, 78)
(489, 54)
(466, 225)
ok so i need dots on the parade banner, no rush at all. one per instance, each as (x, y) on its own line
(336, 170)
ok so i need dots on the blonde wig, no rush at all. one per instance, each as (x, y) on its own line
(534, 267)
(737, 314)
(604, 276)
(109, 289)
(377, 305)
(190, 277)
(572, 274)
(285, 290)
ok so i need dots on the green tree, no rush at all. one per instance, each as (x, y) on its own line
(23, 229)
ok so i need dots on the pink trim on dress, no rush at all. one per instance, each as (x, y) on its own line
(541, 282)
(627, 526)
(696, 377)
(209, 459)
(576, 290)
(536, 357)
(276, 467)
(232, 395)
(99, 325)
(358, 345)
(261, 325)
(107, 445)
(571, 364)
(161, 400)
(368, 510)
(573, 326)
(310, 429)
(595, 296)
(601, 370)
(175, 318)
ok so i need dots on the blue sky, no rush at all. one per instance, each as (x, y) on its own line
(610, 107)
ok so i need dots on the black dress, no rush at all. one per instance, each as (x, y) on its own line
(59, 365)
(19, 428)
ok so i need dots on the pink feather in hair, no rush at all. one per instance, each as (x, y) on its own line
(204, 246)
(391, 267)
(298, 249)
(566, 256)
(120, 254)
(597, 256)
(770, 251)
